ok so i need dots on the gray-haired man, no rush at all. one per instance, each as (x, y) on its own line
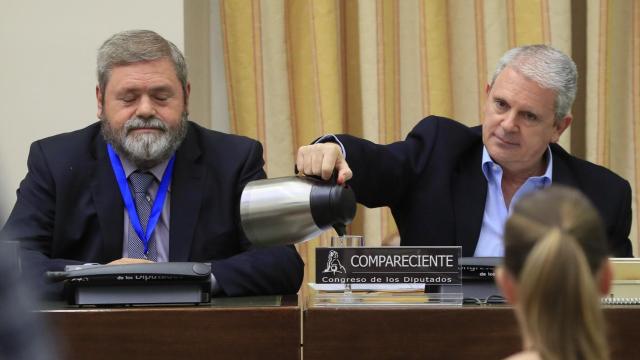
(448, 184)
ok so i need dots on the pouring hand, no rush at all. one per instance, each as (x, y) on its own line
(321, 160)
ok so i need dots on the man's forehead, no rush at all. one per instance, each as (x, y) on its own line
(159, 72)
(516, 86)
(511, 75)
(163, 64)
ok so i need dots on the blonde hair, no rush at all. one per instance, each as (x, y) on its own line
(555, 245)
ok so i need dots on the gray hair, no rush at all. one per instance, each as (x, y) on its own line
(134, 46)
(548, 67)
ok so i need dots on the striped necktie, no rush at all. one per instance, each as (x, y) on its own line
(140, 182)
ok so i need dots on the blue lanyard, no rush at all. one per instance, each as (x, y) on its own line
(156, 209)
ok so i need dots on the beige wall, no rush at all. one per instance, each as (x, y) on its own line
(47, 68)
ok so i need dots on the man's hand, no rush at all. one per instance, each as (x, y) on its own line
(321, 160)
(126, 261)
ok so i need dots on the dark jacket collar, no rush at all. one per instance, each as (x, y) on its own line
(108, 202)
(469, 197)
(187, 188)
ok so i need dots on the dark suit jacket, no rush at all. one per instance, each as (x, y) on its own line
(69, 209)
(434, 185)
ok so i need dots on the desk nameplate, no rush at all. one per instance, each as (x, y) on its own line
(388, 265)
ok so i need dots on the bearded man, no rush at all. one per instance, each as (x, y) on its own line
(144, 183)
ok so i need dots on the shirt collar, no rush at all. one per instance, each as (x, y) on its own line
(157, 171)
(488, 168)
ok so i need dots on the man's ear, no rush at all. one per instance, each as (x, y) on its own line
(187, 92)
(605, 277)
(487, 90)
(507, 285)
(99, 99)
(561, 126)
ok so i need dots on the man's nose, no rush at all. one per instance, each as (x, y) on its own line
(145, 108)
(509, 122)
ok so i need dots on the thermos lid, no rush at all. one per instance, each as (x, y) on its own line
(332, 205)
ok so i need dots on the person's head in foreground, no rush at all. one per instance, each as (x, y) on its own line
(555, 270)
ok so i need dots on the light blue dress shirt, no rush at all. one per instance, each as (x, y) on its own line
(495, 216)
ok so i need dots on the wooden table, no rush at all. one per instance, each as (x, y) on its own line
(233, 328)
(269, 328)
(470, 332)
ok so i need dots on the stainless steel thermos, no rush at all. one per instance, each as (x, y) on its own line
(292, 209)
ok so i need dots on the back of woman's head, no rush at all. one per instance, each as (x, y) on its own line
(555, 245)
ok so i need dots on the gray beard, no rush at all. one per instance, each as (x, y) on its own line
(145, 150)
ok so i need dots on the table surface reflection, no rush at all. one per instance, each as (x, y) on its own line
(467, 332)
(266, 327)
(269, 327)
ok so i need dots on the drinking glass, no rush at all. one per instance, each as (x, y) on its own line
(347, 241)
